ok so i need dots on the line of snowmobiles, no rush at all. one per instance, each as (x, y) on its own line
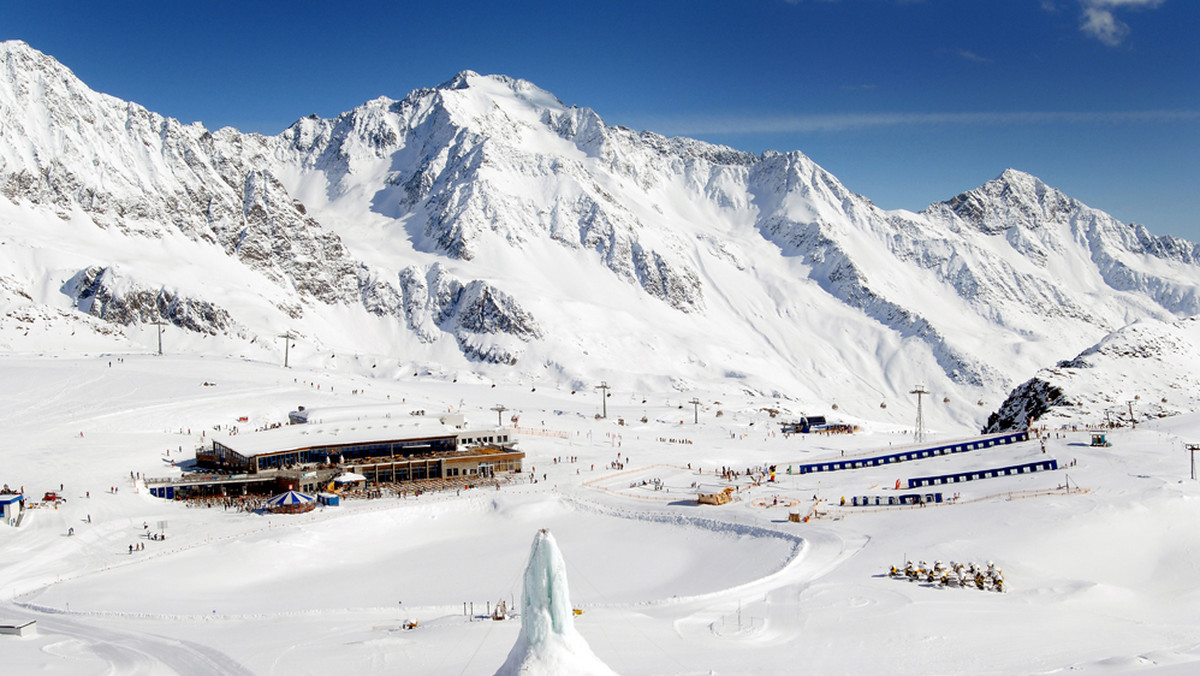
(954, 576)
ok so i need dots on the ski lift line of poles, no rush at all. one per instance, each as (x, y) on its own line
(883, 401)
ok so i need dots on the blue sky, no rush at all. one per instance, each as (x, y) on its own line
(906, 101)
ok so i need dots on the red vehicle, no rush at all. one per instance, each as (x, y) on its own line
(52, 496)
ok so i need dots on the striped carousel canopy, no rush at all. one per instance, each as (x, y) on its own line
(290, 498)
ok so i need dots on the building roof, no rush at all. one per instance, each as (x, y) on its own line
(293, 437)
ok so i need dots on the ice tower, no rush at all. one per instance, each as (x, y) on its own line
(548, 643)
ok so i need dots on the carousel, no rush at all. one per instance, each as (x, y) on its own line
(291, 502)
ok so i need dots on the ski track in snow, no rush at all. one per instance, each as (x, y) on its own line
(128, 652)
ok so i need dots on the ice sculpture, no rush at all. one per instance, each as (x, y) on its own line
(548, 643)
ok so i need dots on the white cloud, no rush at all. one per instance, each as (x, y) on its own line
(1149, 4)
(849, 121)
(972, 56)
(1098, 20)
(1102, 25)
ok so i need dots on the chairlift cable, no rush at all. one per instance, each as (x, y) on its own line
(609, 602)
(488, 633)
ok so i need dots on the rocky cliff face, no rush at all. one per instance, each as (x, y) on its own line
(69, 148)
(1140, 372)
(128, 169)
(102, 293)
(487, 216)
(479, 315)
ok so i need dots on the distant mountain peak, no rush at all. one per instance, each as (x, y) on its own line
(24, 62)
(1016, 176)
(18, 46)
(501, 86)
(461, 80)
(1014, 198)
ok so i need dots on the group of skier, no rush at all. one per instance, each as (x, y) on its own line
(956, 575)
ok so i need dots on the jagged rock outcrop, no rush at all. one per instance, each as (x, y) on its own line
(488, 324)
(1025, 405)
(103, 293)
(1145, 370)
(145, 175)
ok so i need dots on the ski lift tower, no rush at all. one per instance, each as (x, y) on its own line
(159, 323)
(287, 341)
(499, 409)
(919, 435)
(603, 387)
(695, 402)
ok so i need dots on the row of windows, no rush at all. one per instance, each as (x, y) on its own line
(406, 472)
(494, 439)
(351, 452)
(490, 468)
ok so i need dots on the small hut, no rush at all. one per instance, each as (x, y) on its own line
(11, 505)
(350, 480)
(714, 495)
(291, 502)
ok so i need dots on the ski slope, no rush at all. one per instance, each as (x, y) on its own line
(1100, 579)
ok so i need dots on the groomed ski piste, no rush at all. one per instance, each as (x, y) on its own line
(1099, 556)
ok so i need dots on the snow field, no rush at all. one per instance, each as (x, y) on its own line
(1100, 579)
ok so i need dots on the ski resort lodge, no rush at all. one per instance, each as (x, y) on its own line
(309, 455)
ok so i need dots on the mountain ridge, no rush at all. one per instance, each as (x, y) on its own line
(484, 222)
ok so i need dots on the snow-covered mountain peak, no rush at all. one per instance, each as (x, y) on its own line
(32, 61)
(483, 222)
(502, 85)
(1013, 199)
